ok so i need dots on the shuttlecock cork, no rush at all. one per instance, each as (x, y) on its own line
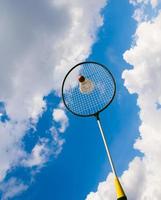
(85, 85)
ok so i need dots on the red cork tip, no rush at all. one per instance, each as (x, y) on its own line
(81, 79)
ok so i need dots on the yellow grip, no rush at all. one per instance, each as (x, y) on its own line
(119, 190)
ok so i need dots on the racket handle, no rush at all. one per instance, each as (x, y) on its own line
(119, 190)
(122, 198)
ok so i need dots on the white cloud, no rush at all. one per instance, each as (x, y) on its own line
(2, 111)
(145, 80)
(1, 114)
(57, 143)
(38, 156)
(38, 50)
(43, 149)
(60, 117)
(11, 188)
(145, 9)
(129, 180)
(142, 179)
(105, 190)
(135, 2)
(11, 152)
(153, 3)
(139, 15)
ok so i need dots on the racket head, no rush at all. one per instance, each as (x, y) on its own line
(92, 103)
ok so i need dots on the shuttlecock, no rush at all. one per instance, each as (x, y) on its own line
(85, 85)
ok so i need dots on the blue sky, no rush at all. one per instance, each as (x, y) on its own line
(61, 156)
(82, 162)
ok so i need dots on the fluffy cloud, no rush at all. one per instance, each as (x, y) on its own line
(41, 40)
(145, 9)
(11, 188)
(10, 143)
(153, 3)
(38, 155)
(57, 143)
(142, 179)
(145, 80)
(60, 117)
(42, 150)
